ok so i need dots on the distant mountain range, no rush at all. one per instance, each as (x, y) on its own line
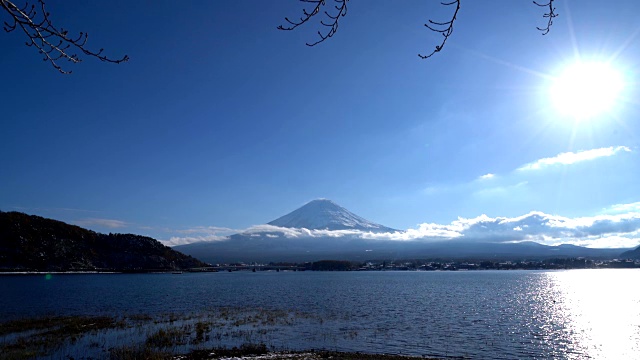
(319, 230)
(298, 236)
(34, 243)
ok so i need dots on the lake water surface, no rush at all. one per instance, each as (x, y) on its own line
(573, 314)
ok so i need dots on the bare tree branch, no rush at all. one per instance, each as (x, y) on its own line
(550, 16)
(444, 28)
(52, 43)
(332, 22)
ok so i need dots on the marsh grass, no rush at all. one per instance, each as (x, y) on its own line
(60, 324)
(215, 333)
(29, 338)
(137, 353)
(202, 332)
(252, 351)
(168, 338)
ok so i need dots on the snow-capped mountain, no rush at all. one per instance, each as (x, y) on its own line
(322, 229)
(302, 235)
(324, 214)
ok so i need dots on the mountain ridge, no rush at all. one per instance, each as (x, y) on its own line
(34, 243)
(631, 254)
(285, 242)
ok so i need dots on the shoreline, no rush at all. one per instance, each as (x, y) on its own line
(169, 272)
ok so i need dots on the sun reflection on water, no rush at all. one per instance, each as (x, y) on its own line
(601, 312)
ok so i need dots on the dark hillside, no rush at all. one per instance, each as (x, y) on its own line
(29, 242)
(631, 254)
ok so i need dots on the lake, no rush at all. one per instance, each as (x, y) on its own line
(573, 314)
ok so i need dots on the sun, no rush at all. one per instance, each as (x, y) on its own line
(585, 90)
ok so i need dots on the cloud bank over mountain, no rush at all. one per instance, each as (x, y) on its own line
(615, 229)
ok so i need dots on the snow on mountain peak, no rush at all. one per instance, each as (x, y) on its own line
(325, 214)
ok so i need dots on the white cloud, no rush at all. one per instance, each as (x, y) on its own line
(568, 158)
(613, 241)
(623, 208)
(298, 232)
(108, 223)
(622, 230)
(198, 234)
(603, 231)
(500, 190)
(424, 232)
(176, 240)
(518, 181)
(432, 190)
(212, 230)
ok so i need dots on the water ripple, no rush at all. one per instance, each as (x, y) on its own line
(573, 314)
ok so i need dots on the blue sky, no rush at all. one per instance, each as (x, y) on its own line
(220, 122)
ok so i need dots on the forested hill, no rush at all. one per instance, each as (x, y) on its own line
(29, 242)
(631, 254)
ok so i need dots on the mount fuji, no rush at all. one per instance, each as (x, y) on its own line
(324, 230)
(320, 229)
(324, 214)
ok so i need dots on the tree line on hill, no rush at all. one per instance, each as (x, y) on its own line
(34, 243)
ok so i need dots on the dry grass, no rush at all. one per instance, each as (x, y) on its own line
(138, 353)
(166, 336)
(41, 335)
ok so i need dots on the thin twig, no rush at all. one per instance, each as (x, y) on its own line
(52, 43)
(444, 28)
(332, 24)
(550, 16)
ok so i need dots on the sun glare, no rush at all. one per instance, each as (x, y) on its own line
(586, 89)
